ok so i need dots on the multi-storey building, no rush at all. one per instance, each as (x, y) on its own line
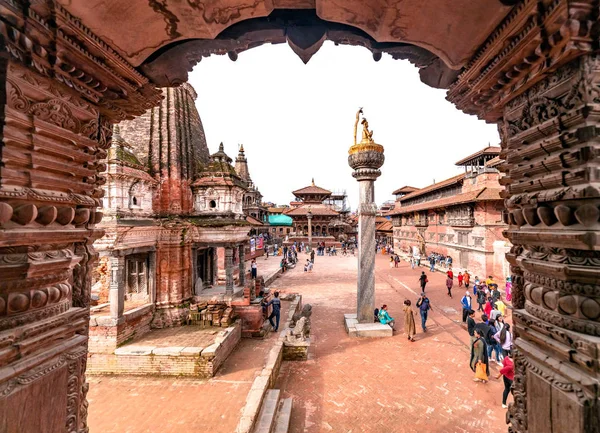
(460, 217)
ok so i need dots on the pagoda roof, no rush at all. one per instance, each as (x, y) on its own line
(315, 209)
(311, 189)
(490, 150)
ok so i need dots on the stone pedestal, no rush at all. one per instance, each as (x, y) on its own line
(366, 158)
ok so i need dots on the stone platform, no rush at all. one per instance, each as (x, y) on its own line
(355, 329)
(179, 351)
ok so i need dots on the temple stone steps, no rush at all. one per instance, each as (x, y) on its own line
(275, 414)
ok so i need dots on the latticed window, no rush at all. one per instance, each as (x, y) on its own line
(137, 276)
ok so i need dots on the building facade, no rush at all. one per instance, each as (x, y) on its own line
(460, 217)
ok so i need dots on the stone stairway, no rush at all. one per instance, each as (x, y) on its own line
(275, 414)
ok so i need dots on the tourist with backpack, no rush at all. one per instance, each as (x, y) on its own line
(275, 313)
(424, 306)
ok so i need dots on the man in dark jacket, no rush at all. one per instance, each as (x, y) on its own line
(424, 306)
(471, 326)
(276, 303)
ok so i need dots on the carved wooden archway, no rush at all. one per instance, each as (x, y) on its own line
(71, 68)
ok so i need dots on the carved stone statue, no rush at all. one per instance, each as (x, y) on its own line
(299, 332)
(305, 313)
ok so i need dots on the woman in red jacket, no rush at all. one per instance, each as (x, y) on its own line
(508, 375)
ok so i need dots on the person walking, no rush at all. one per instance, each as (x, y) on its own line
(431, 263)
(276, 311)
(312, 255)
(412, 262)
(396, 260)
(479, 358)
(466, 305)
(253, 268)
(424, 306)
(449, 283)
(467, 279)
(459, 278)
(409, 321)
(423, 281)
(508, 376)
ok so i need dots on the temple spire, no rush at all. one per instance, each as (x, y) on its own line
(241, 165)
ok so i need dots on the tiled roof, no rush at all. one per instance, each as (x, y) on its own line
(433, 187)
(311, 189)
(314, 209)
(405, 190)
(253, 221)
(385, 226)
(483, 194)
(494, 162)
(490, 150)
(276, 209)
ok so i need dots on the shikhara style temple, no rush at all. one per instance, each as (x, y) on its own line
(71, 69)
(460, 217)
(176, 227)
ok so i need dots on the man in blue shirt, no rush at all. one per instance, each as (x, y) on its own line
(276, 303)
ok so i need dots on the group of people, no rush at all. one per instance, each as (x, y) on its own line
(424, 306)
(439, 260)
(394, 260)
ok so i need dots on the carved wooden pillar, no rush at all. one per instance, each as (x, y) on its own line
(57, 101)
(552, 150)
(538, 76)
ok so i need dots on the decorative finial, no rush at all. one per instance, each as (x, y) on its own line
(241, 148)
(221, 147)
(313, 181)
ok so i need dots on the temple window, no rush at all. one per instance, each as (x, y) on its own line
(135, 200)
(212, 204)
(478, 241)
(136, 269)
(450, 238)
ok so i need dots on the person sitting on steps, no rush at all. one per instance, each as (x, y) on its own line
(385, 318)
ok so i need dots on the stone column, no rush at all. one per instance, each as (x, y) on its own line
(229, 270)
(116, 294)
(366, 158)
(309, 217)
(242, 254)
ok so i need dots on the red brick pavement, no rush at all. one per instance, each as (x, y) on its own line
(389, 384)
(122, 404)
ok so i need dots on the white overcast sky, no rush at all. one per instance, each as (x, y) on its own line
(296, 121)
